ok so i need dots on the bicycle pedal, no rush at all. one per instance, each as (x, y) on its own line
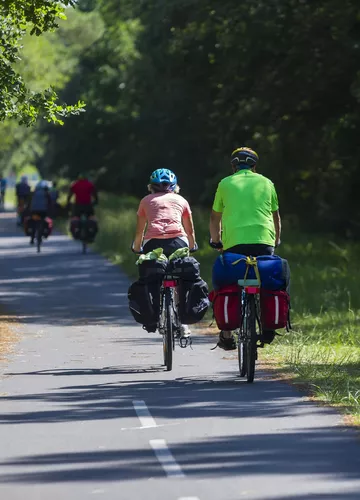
(185, 342)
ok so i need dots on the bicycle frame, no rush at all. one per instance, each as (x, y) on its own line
(251, 294)
(167, 320)
(167, 291)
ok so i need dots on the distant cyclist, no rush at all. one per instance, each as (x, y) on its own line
(40, 204)
(3, 184)
(85, 194)
(164, 218)
(23, 192)
(246, 212)
(54, 195)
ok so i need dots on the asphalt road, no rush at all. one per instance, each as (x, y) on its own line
(87, 411)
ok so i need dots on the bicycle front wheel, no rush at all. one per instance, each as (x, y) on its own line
(168, 337)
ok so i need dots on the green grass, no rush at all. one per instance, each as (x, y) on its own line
(323, 350)
(117, 219)
(10, 198)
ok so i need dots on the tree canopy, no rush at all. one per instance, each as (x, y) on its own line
(180, 84)
(16, 99)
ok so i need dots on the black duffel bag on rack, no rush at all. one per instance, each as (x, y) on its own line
(152, 270)
(187, 268)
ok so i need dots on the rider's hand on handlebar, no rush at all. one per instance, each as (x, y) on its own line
(137, 250)
(217, 245)
(277, 243)
(195, 248)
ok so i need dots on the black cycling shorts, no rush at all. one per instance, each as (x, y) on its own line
(169, 245)
(40, 213)
(79, 210)
(252, 250)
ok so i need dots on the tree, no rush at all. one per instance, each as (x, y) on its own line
(50, 59)
(16, 100)
(180, 84)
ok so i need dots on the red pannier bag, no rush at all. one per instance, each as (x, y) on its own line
(275, 305)
(226, 303)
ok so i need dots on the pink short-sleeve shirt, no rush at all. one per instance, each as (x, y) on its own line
(164, 213)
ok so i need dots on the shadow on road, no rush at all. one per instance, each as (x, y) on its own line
(59, 286)
(220, 395)
(306, 452)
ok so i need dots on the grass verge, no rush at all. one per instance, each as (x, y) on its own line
(327, 368)
(323, 350)
(8, 335)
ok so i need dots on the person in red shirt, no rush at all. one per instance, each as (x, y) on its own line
(85, 195)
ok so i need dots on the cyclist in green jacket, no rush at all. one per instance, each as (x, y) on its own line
(245, 218)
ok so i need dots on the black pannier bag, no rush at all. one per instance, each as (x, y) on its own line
(187, 268)
(152, 270)
(144, 303)
(75, 228)
(91, 229)
(193, 301)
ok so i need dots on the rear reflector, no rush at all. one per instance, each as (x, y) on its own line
(252, 290)
(169, 283)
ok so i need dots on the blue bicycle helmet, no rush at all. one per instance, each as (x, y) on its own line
(244, 158)
(162, 177)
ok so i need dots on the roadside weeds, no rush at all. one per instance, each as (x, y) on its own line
(9, 336)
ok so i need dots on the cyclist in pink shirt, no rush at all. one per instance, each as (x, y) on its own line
(164, 217)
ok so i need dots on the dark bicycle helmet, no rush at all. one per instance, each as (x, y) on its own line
(244, 157)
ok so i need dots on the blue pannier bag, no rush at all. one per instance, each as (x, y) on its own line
(230, 267)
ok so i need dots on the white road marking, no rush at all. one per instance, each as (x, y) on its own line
(165, 457)
(144, 415)
(144, 428)
(188, 498)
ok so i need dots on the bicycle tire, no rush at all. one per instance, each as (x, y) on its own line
(168, 338)
(84, 247)
(38, 236)
(251, 339)
(242, 358)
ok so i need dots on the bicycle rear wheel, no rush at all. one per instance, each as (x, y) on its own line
(168, 336)
(242, 355)
(251, 340)
(83, 233)
(38, 236)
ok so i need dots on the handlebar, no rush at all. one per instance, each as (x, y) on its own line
(216, 246)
